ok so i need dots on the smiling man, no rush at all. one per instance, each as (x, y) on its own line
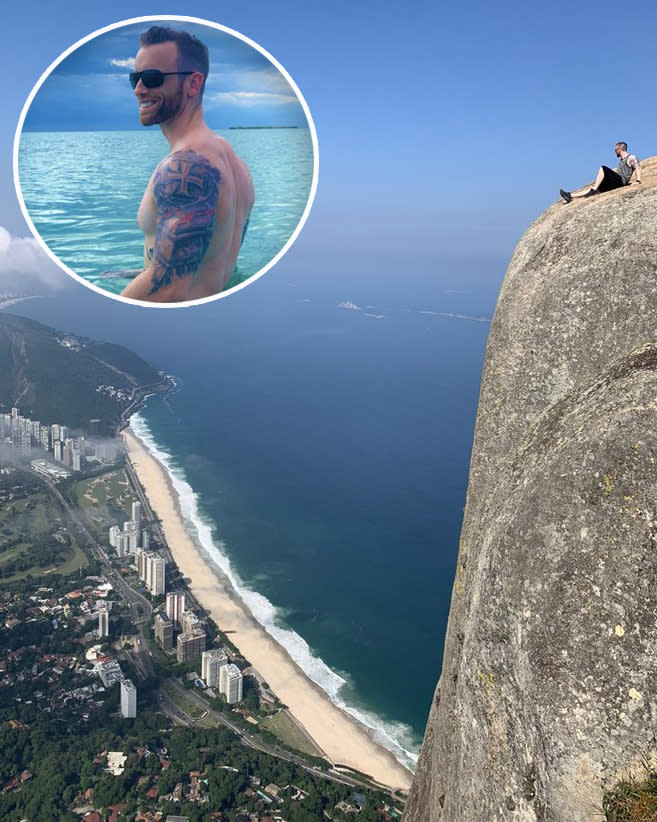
(195, 211)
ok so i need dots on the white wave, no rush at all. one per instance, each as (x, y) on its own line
(397, 737)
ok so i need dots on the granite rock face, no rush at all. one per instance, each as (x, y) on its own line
(548, 693)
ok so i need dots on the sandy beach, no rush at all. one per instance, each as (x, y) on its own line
(344, 741)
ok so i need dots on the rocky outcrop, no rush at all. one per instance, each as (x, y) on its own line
(548, 691)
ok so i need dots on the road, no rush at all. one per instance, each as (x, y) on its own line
(140, 608)
(141, 612)
(180, 717)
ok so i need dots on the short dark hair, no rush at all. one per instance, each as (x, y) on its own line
(192, 54)
(621, 145)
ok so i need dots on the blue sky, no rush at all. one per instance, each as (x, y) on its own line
(89, 89)
(444, 129)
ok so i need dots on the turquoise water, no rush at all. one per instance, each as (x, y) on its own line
(82, 191)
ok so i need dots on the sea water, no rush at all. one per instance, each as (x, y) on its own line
(82, 191)
(319, 436)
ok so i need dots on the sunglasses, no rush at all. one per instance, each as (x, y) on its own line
(152, 78)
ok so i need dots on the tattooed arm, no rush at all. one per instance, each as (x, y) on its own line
(185, 187)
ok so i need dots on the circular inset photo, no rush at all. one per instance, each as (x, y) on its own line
(165, 160)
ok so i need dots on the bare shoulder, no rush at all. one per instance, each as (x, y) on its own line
(223, 150)
(185, 174)
(237, 165)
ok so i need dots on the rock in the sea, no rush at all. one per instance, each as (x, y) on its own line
(548, 693)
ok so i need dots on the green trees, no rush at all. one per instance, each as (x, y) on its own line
(224, 787)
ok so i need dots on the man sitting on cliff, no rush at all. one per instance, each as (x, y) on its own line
(608, 179)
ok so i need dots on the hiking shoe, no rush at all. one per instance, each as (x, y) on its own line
(591, 192)
(566, 195)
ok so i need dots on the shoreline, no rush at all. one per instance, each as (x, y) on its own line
(341, 737)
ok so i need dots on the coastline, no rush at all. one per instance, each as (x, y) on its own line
(343, 739)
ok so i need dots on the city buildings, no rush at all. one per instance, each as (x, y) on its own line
(151, 568)
(175, 606)
(155, 574)
(189, 621)
(211, 663)
(164, 631)
(131, 531)
(126, 540)
(103, 622)
(128, 699)
(190, 646)
(231, 683)
(72, 452)
(114, 533)
(29, 435)
(109, 671)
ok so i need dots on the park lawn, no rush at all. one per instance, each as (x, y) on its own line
(118, 488)
(14, 552)
(185, 704)
(30, 516)
(286, 729)
(110, 487)
(77, 559)
(32, 522)
(104, 500)
(208, 722)
(74, 562)
(38, 510)
(12, 508)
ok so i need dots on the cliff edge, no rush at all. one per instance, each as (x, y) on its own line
(548, 694)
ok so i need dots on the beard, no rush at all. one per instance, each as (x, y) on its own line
(167, 108)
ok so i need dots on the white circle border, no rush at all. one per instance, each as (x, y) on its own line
(149, 19)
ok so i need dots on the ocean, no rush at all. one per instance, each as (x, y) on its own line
(320, 433)
(82, 190)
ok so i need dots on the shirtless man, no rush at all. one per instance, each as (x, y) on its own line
(196, 207)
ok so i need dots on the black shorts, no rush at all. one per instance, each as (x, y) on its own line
(611, 180)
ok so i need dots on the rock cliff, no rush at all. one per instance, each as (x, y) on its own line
(548, 694)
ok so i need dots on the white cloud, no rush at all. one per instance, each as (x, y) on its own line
(128, 62)
(349, 305)
(25, 268)
(265, 79)
(252, 98)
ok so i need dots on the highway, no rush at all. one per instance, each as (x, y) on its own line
(180, 717)
(141, 612)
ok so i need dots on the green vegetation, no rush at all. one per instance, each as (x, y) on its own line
(104, 500)
(285, 728)
(633, 800)
(186, 705)
(31, 353)
(57, 725)
(64, 767)
(110, 488)
(34, 538)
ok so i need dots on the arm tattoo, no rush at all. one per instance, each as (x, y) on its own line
(185, 187)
